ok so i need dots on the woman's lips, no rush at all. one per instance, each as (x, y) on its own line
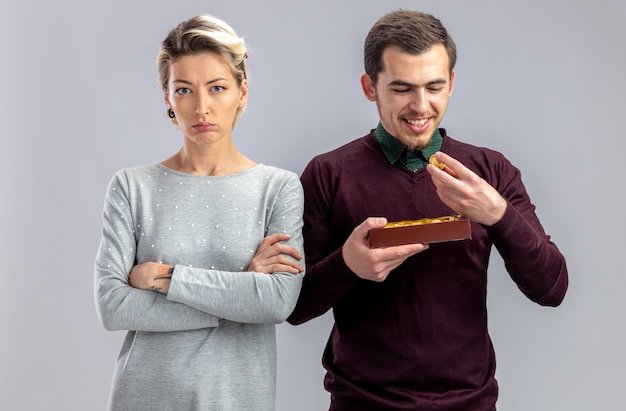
(203, 126)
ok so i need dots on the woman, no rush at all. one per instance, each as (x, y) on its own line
(199, 253)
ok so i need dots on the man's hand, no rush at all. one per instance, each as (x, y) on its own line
(273, 256)
(374, 264)
(465, 192)
(151, 276)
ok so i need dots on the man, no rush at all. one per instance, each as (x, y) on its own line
(410, 327)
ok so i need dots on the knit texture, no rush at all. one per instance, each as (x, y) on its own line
(419, 339)
(210, 342)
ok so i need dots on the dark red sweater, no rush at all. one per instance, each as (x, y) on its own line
(418, 340)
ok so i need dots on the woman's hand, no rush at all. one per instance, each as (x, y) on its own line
(273, 256)
(151, 276)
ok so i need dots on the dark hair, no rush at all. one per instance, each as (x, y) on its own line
(413, 31)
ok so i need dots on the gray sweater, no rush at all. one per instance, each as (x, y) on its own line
(209, 344)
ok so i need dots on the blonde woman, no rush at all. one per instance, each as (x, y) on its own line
(200, 253)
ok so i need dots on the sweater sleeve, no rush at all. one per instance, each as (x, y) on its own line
(248, 297)
(532, 260)
(119, 305)
(328, 278)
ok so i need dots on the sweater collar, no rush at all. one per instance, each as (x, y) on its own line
(395, 151)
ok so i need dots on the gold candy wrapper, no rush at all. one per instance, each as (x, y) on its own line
(432, 160)
(422, 221)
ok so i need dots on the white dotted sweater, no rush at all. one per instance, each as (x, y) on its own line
(210, 342)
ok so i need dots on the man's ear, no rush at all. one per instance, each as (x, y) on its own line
(452, 76)
(369, 89)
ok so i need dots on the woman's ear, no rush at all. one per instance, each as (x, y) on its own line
(243, 98)
(166, 97)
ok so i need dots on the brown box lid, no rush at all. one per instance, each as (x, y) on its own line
(432, 232)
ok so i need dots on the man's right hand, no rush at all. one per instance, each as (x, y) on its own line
(374, 264)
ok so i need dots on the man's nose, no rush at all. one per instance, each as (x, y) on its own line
(419, 101)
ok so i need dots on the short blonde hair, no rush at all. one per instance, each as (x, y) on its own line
(203, 33)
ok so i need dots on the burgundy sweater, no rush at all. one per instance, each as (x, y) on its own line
(418, 340)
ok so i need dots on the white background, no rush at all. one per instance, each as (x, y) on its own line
(540, 80)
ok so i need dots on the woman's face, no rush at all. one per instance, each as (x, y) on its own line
(205, 97)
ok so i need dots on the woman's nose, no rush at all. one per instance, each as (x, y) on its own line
(202, 106)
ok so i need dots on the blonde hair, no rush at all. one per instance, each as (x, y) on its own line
(204, 33)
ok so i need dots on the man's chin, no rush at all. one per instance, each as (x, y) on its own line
(417, 144)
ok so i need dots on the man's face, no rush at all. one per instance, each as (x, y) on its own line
(411, 93)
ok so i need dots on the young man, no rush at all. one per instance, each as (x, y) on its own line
(410, 327)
